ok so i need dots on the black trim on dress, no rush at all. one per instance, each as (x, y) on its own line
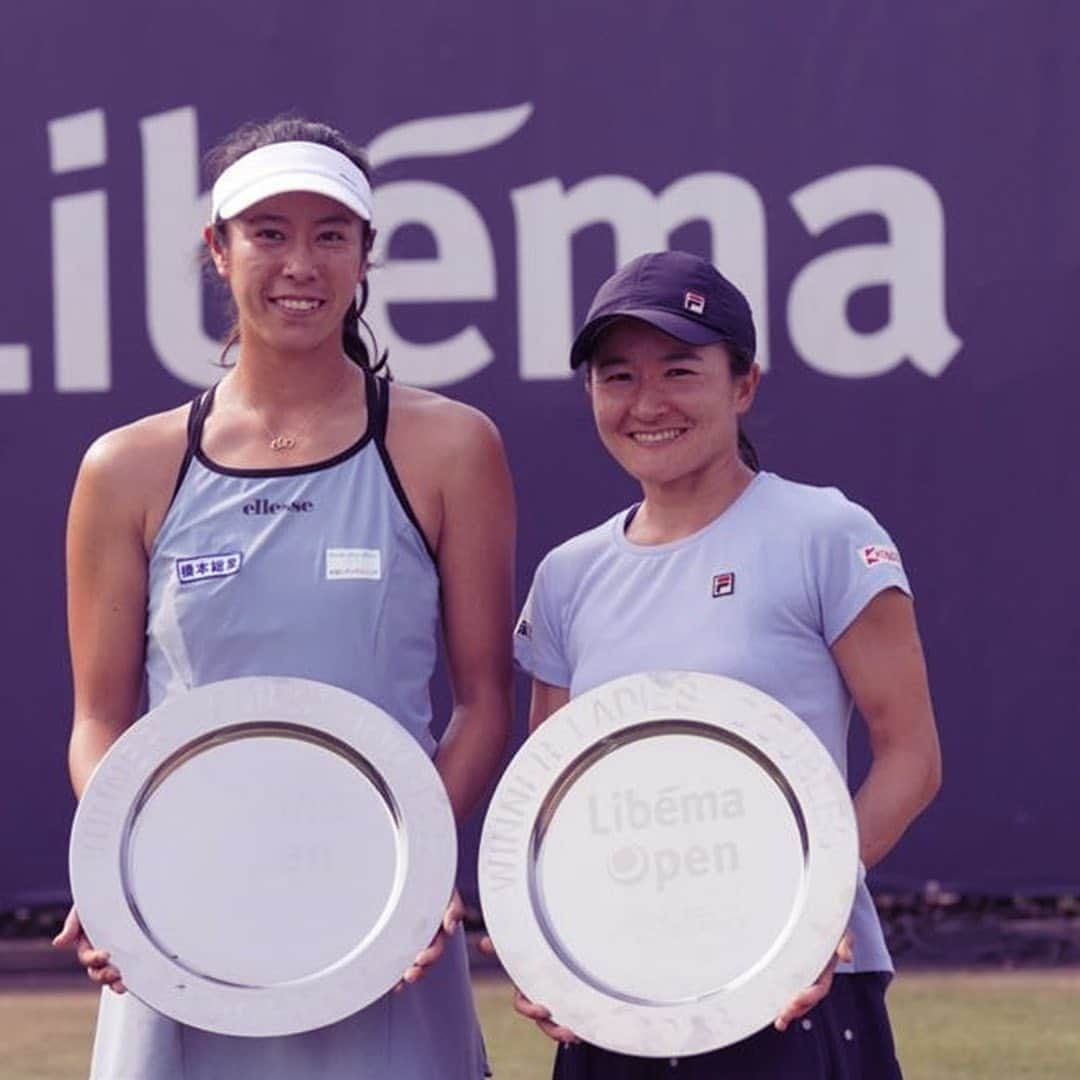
(290, 470)
(200, 405)
(381, 417)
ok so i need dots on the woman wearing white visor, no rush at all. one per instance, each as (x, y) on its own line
(301, 443)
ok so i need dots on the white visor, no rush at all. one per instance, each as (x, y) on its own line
(290, 166)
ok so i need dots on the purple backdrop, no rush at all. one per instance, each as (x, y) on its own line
(894, 185)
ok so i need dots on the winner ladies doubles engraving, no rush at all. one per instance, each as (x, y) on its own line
(512, 810)
(661, 842)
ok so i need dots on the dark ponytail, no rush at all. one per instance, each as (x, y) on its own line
(354, 345)
(747, 453)
(741, 363)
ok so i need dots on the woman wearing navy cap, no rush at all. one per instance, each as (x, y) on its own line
(815, 610)
(353, 517)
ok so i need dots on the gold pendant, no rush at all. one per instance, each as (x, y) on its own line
(282, 442)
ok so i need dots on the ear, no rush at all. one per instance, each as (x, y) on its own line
(218, 252)
(746, 389)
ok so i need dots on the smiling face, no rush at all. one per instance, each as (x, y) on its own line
(293, 263)
(668, 412)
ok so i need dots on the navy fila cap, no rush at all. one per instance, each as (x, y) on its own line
(679, 293)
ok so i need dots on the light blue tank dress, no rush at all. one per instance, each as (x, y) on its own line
(320, 572)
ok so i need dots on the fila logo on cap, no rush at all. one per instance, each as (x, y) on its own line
(723, 584)
(694, 302)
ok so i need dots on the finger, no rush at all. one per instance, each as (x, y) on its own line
(542, 1018)
(845, 951)
(427, 957)
(70, 931)
(411, 974)
(420, 965)
(90, 957)
(118, 987)
(803, 1002)
(455, 912)
(800, 1005)
(104, 976)
(557, 1032)
(487, 946)
(530, 1008)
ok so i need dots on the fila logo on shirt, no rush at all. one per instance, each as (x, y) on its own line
(694, 302)
(723, 584)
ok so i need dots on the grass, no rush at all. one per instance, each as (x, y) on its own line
(949, 1026)
(46, 1034)
(988, 1026)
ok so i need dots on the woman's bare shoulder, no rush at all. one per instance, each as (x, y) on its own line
(138, 457)
(430, 419)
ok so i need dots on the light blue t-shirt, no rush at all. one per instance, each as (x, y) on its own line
(760, 594)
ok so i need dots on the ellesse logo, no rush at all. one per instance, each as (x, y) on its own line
(262, 507)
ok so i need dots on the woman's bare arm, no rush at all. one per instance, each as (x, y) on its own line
(475, 555)
(106, 574)
(545, 700)
(881, 659)
(120, 495)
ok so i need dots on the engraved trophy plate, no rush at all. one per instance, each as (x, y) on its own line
(263, 856)
(667, 861)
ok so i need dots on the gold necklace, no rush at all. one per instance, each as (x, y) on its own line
(281, 443)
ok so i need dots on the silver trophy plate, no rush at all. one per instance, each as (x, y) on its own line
(263, 856)
(667, 861)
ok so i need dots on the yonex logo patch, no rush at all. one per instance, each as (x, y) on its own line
(723, 584)
(694, 302)
(873, 555)
(202, 567)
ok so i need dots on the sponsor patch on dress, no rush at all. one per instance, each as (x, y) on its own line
(202, 567)
(353, 564)
(875, 555)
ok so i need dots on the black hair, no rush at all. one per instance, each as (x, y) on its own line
(259, 133)
(741, 363)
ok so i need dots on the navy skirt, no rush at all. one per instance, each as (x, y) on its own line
(846, 1037)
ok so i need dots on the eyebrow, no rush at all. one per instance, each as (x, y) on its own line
(678, 356)
(681, 354)
(255, 219)
(330, 219)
